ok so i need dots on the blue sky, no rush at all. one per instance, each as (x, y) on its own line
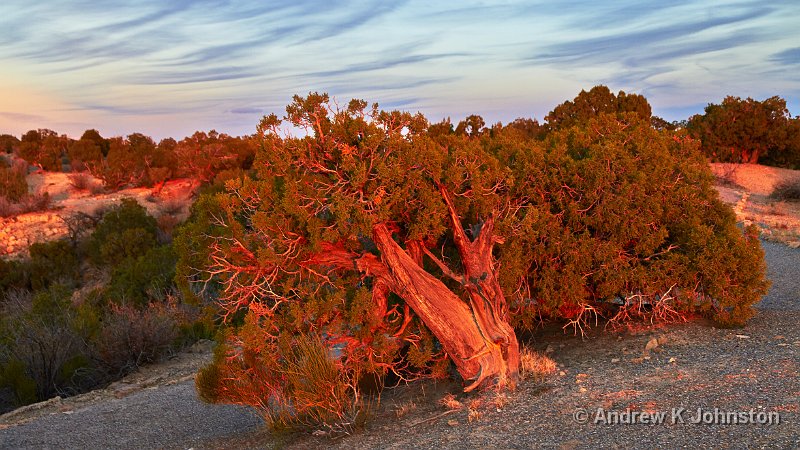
(167, 68)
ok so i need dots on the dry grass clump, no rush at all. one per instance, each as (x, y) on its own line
(404, 408)
(26, 204)
(85, 182)
(474, 413)
(725, 175)
(80, 181)
(172, 207)
(787, 190)
(535, 365)
(449, 401)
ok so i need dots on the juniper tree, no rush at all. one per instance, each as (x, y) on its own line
(390, 245)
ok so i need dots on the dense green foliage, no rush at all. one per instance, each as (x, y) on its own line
(749, 131)
(598, 101)
(126, 231)
(616, 209)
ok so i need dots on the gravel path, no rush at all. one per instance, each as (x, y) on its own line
(694, 366)
(166, 417)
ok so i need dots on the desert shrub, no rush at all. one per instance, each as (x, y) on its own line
(34, 203)
(726, 175)
(26, 204)
(597, 101)
(81, 181)
(42, 336)
(748, 131)
(131, 336)
(43, 148)
(84, 154)
(12, 182)
(585, 249)
(8, 143)
(787, 190)
(13, 275)
(203, 155)
(137, 281)
(14, 377)
(126, 231)
(166, 226)
(172, 206)
(53, 262)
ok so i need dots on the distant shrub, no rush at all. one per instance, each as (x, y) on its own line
(35, 202)
(130, 337)
(13, 185)
(126, 231)
(166, 226)
(787, 190)
(43, 148)
(40, 333)
(147, 278)
(53, 262)
(26, 204)
(81, 181)
(726, 175)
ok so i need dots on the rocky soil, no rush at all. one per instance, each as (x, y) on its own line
(18, 233)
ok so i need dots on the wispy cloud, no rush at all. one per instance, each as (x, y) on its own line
(223, 61)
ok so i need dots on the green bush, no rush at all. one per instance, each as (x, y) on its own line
(83, 154)
(126, 231)
(618, 209)
(41, 336)
(144, 279)
(13, 275)
(53, 262)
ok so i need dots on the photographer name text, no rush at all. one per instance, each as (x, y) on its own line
(675, 416)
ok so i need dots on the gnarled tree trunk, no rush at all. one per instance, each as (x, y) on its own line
(475, 333)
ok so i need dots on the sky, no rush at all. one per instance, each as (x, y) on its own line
(170, 67)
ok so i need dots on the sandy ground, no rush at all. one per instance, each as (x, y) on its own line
(19, 232)
(67, 200)
(748, 191)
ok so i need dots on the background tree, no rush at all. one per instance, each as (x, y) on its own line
(131, 161)
(599, 100)
(746, 131)
(94, 136)
(43, 148)
(84, 154)
(8, 143)
(203, 155)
